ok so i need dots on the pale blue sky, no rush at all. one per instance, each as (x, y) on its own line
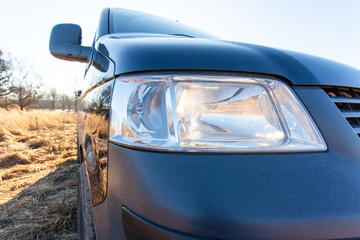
(326, 28)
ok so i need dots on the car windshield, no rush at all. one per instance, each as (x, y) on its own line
(127, 21)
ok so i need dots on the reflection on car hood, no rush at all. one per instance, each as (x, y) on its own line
(149, 52)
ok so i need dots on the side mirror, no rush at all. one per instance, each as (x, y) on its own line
(65, 43)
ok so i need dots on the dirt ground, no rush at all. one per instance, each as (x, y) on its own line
(38, 175)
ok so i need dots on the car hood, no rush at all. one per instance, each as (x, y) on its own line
(151, 52)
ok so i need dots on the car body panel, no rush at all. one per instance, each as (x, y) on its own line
(149, 52)
(93, 127)
(227, 196)
(103, 27)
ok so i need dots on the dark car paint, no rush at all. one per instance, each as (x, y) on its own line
(150, 53)
(226, 196)
(136, 227)
(103, 27)
(93, 122)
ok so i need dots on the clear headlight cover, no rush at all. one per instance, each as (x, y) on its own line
(210, 113)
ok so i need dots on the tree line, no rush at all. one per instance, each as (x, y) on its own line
(22, 87)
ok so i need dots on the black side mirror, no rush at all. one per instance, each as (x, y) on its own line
(65, 43)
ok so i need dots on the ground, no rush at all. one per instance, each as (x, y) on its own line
(38, 174)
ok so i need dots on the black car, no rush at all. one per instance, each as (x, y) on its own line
(182, 135)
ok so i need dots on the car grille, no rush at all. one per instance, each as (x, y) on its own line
(348, 102)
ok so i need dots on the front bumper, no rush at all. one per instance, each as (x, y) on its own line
(232, 196)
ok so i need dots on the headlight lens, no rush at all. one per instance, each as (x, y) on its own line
(210, 113)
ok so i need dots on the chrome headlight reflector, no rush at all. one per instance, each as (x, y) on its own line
(221, 113)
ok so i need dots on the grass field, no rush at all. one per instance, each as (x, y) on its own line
(38, 175)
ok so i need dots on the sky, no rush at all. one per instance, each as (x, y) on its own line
(325, 28)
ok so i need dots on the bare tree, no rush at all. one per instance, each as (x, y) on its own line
(25, 95)
(75, 100)
(66, 101)
(19, 84)
(62, 99)
(53, 97)
(24, 86)
(5, 75)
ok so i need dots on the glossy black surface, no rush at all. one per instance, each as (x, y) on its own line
(93, 124)
(93, 120)
(141, 52)
(232, 196)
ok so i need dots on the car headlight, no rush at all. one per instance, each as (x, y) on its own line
(198, 112)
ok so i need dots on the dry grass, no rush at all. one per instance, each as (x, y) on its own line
(38, 175)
